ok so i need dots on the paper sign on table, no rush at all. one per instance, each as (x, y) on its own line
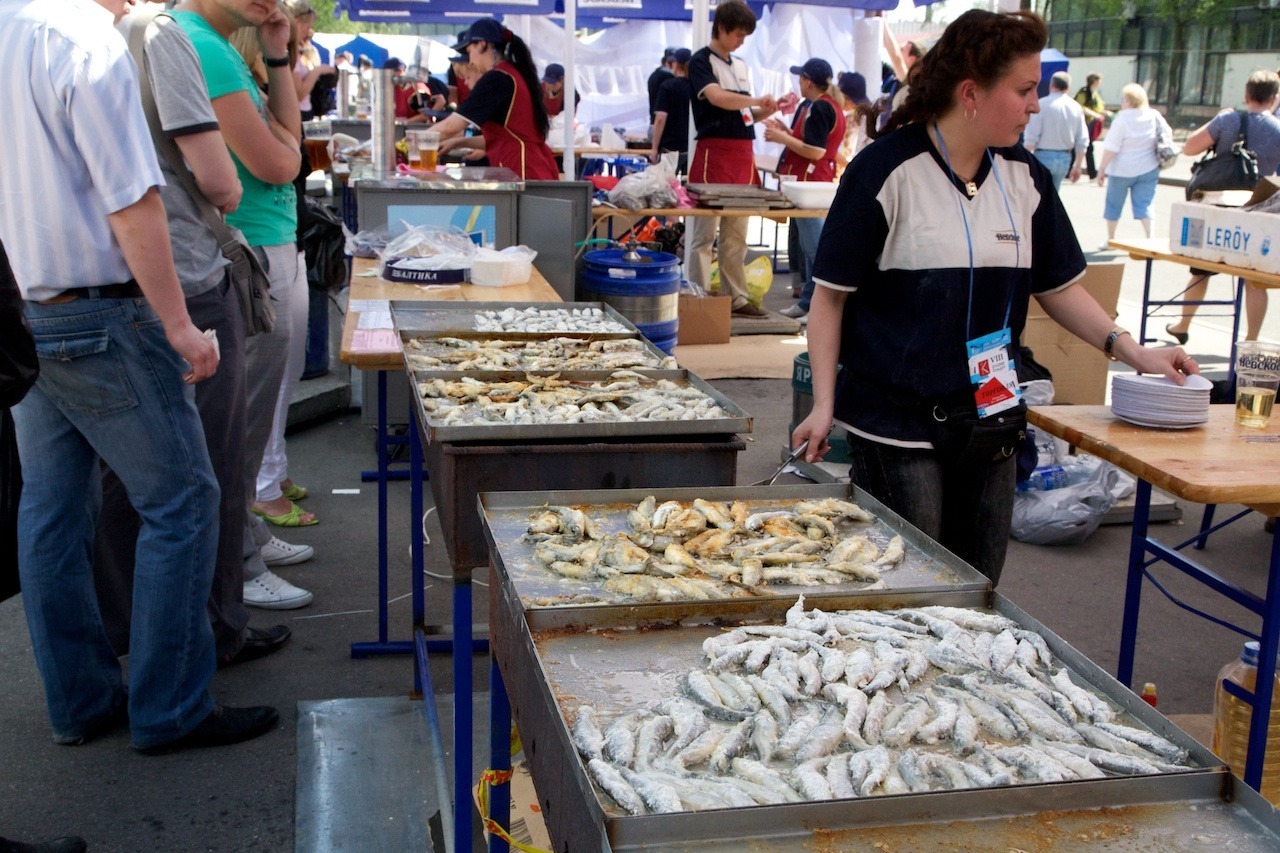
(374, 340)
(375, 320)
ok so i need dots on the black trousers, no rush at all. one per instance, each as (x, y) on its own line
(220, 400)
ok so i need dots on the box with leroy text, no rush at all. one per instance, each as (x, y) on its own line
(1229, 235)
(1079, 369)
(704, 320)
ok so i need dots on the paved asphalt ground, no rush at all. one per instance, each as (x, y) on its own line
(242, 798)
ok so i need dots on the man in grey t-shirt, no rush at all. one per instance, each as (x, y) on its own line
(185, 115)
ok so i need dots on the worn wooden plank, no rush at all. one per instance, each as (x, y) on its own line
(1219, 463)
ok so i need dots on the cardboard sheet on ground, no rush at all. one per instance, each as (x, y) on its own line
(754, 357)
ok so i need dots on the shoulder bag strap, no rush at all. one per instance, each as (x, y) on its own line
(1244, 129)
(141, 20)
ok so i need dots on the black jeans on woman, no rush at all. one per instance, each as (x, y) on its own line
(966, 507)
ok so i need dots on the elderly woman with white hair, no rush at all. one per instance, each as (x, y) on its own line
(1129, 166)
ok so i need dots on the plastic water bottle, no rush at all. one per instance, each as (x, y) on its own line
(1231, 717)
(1043, 479)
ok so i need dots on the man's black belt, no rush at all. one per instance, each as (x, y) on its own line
(127, 290)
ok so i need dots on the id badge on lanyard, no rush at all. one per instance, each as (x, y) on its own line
(992, 373)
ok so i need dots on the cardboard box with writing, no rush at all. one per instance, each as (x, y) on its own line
(1079, 370)
(1229, 235)
(704, 320)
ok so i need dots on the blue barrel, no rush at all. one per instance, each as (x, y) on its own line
(646, 292)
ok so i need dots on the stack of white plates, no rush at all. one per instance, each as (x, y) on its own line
(1156, 401)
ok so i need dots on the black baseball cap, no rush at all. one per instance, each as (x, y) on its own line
(682, 55)
(554, 73)
(816, 70)
(485, 29)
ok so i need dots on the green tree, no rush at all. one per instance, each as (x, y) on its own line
(327, 23)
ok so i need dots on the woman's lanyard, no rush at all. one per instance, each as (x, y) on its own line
(991, 367)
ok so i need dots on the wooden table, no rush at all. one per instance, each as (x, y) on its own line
(1217, 463)
(364, 287)
(1153, 249)
(384, 356)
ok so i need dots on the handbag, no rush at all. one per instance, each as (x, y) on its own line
(1166, 152)
(248, 275)
(960, 437)
(1234, 169)
(19, 363)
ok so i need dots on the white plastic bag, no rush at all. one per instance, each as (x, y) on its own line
(1068, 515)
(513, 265)
(1050, 450)
(650, 188)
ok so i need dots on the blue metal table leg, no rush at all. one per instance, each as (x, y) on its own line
(1206, 521)
(415, 534)
(1133, 583)
(1146, 302)
(1235, 336)
(499, 755)
(462, 713)
(1263, 690)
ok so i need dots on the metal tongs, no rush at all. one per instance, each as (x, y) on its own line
(795, 454)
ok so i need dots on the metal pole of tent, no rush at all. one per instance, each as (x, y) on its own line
(570, 84)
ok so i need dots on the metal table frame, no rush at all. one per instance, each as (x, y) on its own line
(1145, 551)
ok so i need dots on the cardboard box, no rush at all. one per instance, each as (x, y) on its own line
(704, 320)
(1079, 370)
(527, 823)
(1226, 235)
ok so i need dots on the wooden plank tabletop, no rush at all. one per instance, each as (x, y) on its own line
(1157, 249)
(375, 288)
(1218, 463)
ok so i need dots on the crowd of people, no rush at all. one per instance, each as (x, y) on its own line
(152, 442)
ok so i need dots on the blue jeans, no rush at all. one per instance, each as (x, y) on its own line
(967, 507)
(809, 231)
(1141, 190)
(1057, 162)
(110, 386)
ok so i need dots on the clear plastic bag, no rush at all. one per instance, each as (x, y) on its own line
(1068, 515)
(430, 247)
(650, 188)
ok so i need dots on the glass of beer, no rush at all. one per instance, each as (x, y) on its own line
(430, 147)
(1257, 380)
(316, 134)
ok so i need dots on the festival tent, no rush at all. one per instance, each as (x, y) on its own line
(1051, 62)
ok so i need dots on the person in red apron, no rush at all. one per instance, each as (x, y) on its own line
(553, 90)
(811, 143)
(512, 121)
(724, 113)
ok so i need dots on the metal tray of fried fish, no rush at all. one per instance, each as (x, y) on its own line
(410, 315)
(433, 431)
(640, 355)
(619, 663)
(552, 600)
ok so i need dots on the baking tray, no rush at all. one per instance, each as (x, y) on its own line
(927, 565)
(411, 315)
(738, 420)
(617, 664)
(656, 355)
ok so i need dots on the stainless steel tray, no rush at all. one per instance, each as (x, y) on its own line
(410, 315)
(655, 355)
(550, 599)
(738, 420)
(616, 665)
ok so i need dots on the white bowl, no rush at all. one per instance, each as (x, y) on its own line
(810, 193)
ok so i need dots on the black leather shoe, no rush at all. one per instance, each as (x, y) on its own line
(258, 644)
(66, 844)
(223, 726)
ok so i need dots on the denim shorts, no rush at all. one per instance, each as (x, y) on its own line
(1141, 191)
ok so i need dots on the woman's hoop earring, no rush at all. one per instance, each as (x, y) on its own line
(970, 114)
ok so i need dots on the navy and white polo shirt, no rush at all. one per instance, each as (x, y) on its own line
(895, 241)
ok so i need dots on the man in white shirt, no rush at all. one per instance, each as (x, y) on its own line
(1057, 135)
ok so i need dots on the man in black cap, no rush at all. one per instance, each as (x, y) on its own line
(660, 75)
(671, 112)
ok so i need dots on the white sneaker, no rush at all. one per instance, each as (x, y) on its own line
(795, 312)
(804, 319)
(272, 592)
(277, 552)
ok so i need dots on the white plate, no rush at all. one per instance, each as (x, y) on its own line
(1150, 382)
(1158, 425)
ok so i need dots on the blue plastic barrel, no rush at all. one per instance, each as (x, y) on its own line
(646, 292)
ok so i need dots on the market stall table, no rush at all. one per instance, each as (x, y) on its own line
(1152, 249)
(1219, 462)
